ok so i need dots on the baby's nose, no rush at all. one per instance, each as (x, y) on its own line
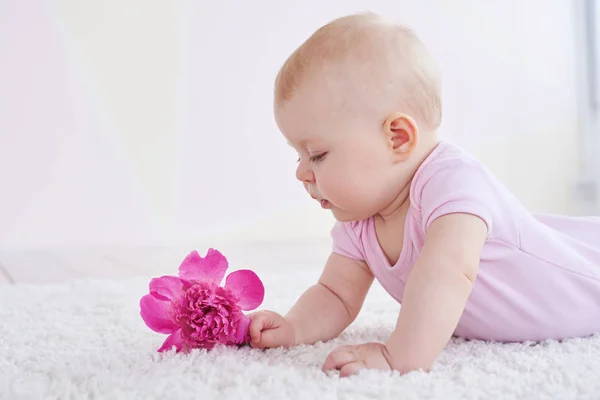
(304, 174)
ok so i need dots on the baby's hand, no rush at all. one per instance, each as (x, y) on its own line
(269, 329)
(351, 359)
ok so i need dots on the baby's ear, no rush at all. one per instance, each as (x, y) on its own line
(402, 135)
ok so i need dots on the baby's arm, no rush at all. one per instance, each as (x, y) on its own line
(330, 306)
(437, 291)
(434, 298)
(322, 312)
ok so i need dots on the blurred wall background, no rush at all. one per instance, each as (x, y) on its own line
(150, 122)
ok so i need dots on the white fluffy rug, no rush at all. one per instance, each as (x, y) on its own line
(85, 340)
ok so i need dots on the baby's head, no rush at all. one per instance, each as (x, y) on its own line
(360, 102)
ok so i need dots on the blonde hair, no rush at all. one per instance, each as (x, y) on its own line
(398, 68)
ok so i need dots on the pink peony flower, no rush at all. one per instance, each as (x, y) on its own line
(195, 311)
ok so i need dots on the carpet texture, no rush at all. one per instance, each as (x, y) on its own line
(85, 340)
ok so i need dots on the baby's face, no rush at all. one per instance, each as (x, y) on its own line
(345, 162)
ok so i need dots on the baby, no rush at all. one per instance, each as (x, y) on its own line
(360, 103)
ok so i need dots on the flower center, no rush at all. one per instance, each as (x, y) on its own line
(208, 314)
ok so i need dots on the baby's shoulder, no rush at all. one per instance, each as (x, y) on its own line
(448, 156)
(453, 181)
(450, 168)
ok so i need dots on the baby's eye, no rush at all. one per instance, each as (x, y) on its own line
(318, 158)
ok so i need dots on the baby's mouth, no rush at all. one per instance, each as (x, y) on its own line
(325, 204)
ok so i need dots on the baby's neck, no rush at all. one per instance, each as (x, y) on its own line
(396, 211)
(398, 208)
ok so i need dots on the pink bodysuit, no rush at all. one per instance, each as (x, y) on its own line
(539, 275)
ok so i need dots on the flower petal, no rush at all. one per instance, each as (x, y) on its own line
(211, 268)
(166, 287)
(174, 339)
(242, 335)
(247, 286)
(156, 314)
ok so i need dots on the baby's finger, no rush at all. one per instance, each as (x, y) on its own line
(337, 359)
(273, 338)
(257, 322)
(352, 368)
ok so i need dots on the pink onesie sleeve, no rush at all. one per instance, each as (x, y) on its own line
(454, 185)
(345, 240)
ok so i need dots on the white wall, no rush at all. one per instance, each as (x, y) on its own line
(588, 72)
(147, 122)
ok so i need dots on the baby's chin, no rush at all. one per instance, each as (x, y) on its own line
(345, 216)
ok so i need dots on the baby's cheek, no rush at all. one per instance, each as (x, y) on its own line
(349, 191)
(331, 186)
